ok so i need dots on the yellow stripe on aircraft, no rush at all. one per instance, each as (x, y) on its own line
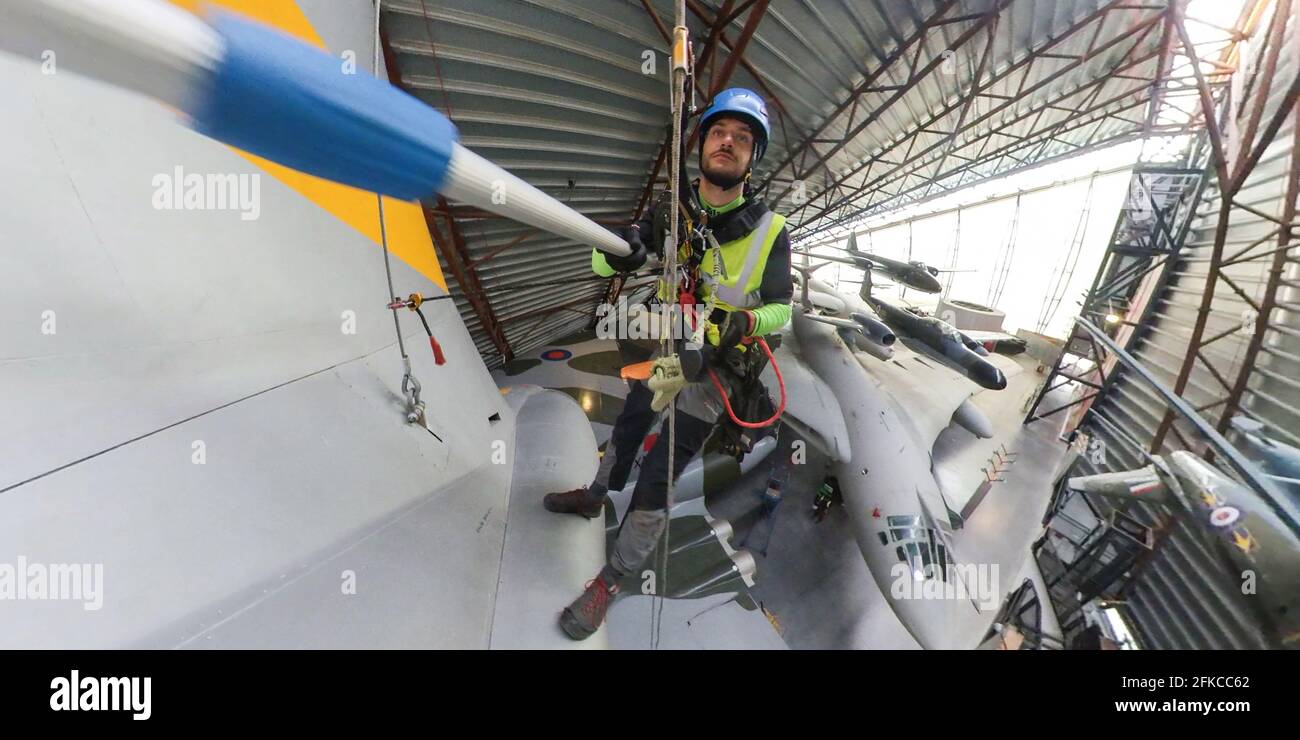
(408, 233)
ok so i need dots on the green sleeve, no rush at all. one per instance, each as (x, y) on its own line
(770, 317)
(599, 265)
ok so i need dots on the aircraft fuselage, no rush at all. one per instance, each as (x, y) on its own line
(890, 493)
(940, 341)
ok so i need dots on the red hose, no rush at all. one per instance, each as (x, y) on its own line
(438, 358)
(727, 401)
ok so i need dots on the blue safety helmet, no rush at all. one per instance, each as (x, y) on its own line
(746, 105)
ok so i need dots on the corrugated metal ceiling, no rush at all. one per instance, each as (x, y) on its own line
(554, 91)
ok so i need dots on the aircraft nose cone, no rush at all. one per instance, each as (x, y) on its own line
(987, 375)
(925, 282)
(932, 622)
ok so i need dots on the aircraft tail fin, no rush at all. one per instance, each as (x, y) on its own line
(865, 291)
(955, 520)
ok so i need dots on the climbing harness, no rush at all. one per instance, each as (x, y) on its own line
(726, 402)
(710, 303)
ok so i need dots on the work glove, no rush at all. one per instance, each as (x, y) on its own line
(634, 261)
(666, 381)
(734, 328)
(720, 347)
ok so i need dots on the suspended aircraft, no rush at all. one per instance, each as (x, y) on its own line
(914, 274)
(1261, 543)
(875, 405)
(872, 405)
(250, 550)
(934, 337)
(1280, 461)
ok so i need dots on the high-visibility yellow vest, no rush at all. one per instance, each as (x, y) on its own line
(743, 262)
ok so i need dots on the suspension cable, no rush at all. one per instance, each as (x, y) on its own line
(1003, 268)
(1069, 260)
(410, 386)
(383, 228)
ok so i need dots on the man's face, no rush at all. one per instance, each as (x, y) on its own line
(728, 146)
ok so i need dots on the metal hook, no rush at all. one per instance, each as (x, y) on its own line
(411, 392)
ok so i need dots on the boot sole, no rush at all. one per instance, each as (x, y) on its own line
(579, 512)
(573, 628)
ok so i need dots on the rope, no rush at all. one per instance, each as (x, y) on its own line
(677, 92)
(727, 401)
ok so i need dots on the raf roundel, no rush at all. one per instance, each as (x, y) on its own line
(1225, 516)
(556, 355)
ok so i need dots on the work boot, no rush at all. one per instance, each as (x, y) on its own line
(578, 501)
(584, 616)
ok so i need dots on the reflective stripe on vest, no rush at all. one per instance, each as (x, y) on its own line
(735, 294)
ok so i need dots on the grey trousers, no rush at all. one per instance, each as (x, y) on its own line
(699, 407)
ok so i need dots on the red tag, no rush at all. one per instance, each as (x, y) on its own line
(685, 299)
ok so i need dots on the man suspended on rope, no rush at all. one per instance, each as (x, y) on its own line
(751, 299)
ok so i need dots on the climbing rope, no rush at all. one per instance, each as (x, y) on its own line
(680, 72)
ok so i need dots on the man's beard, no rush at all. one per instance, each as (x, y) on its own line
(724, 181)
